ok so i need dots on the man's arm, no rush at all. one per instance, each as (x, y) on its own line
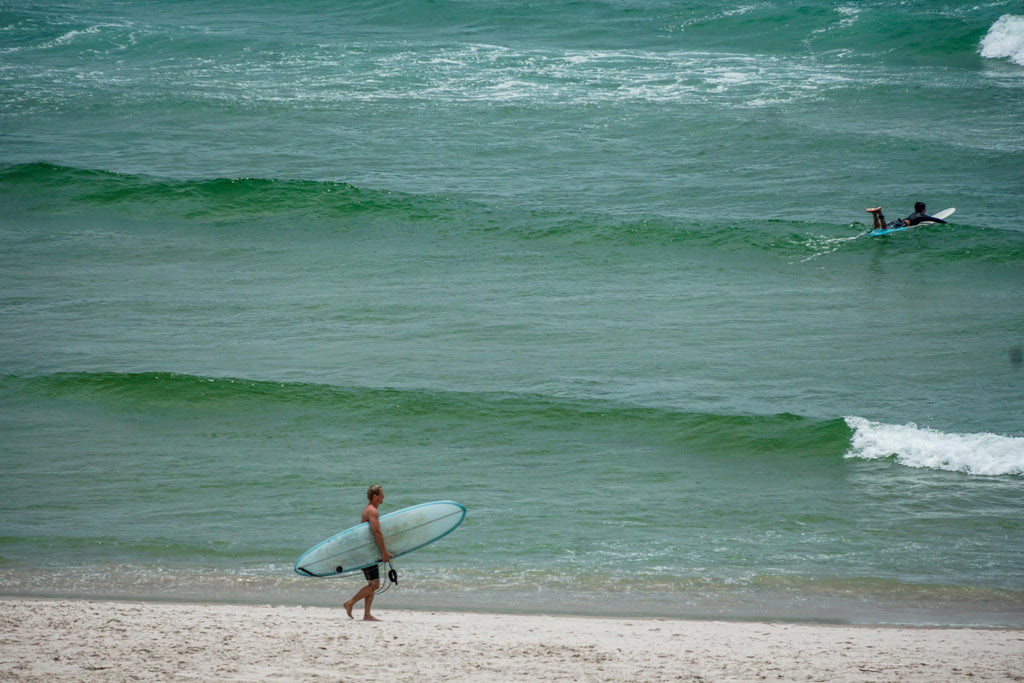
(374, 521)
(916, 218)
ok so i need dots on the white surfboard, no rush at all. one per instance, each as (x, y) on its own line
(944, 214)
(404, 531)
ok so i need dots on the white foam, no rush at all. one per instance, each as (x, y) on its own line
(1005, 39)
(913, 446)
(848, 17)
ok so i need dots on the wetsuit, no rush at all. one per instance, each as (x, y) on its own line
(914, 219)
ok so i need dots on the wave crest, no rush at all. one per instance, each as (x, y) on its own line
(42, 187)
(1005, 39)
(980, 454)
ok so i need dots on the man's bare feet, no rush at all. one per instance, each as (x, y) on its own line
(874, 210)
(370, 617)
(348, 609)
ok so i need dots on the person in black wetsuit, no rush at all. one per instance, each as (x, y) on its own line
(919, 216)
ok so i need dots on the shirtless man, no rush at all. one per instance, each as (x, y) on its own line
(919, 216)
(375, 494)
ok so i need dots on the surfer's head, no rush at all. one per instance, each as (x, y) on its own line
(374, 490)
(919, 207)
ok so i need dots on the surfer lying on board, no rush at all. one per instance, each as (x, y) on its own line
(919, 216)
(375, 494)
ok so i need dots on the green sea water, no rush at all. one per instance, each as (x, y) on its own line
(596, 271)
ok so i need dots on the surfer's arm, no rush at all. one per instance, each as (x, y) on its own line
(916, 218)
(374, 522)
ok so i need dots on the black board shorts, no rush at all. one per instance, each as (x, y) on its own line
(372, 573)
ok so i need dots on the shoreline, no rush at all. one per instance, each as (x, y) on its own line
(825, 602)
(76, 639)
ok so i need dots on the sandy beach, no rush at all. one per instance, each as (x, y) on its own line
(124, 641)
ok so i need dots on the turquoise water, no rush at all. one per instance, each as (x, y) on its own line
(595, 270)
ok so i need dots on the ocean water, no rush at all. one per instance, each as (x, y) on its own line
(596, 270)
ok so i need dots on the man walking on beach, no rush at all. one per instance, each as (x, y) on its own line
(375, 494)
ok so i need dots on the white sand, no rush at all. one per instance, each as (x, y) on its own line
(82, 640)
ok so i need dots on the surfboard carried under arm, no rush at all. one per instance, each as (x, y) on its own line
(404, 531)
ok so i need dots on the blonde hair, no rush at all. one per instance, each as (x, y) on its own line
(373, 491)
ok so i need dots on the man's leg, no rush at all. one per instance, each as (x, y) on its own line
(876, 213)
(374, 585)
(365, 593)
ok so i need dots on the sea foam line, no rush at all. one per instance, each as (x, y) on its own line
(913, 446)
